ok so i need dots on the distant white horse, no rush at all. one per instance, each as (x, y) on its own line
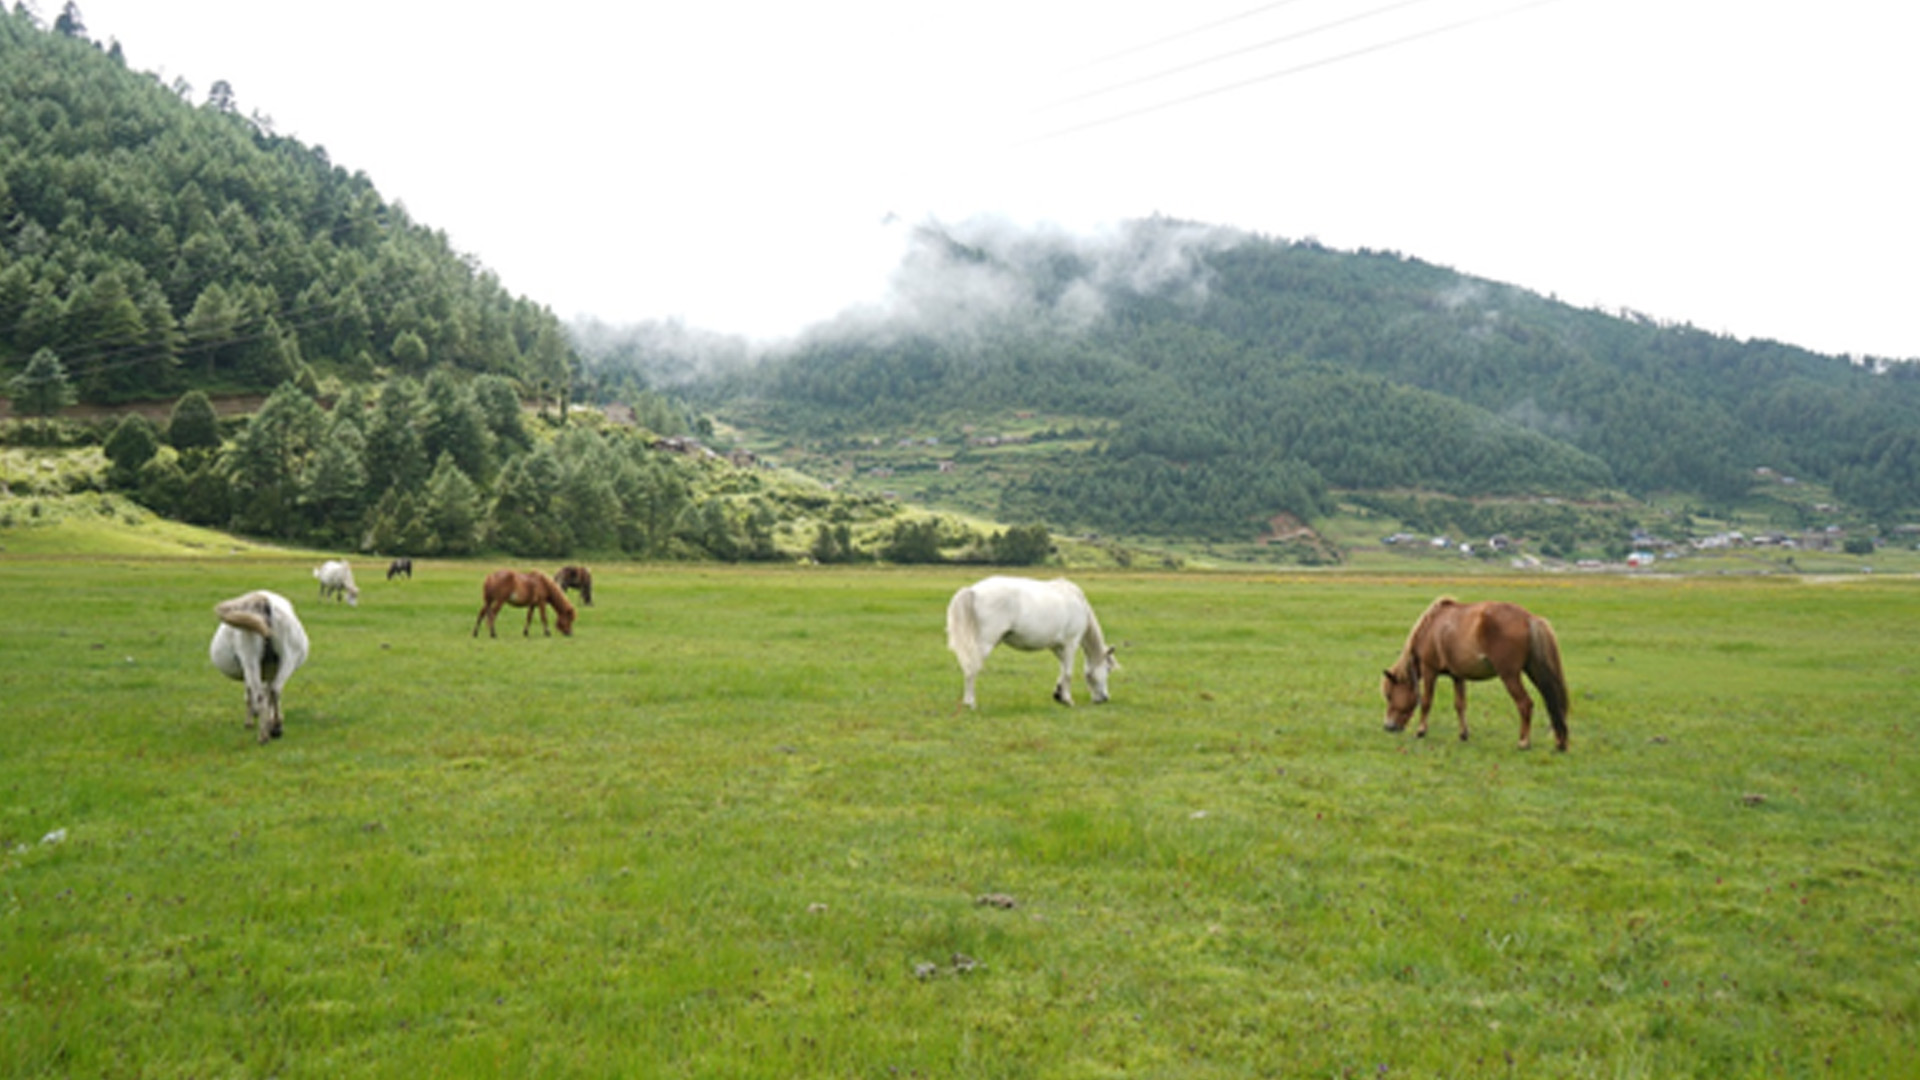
(336, 580)
(260, 641)
(1029, 615)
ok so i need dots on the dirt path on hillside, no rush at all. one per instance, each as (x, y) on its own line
(223, 405)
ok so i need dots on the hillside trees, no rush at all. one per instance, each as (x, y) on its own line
(297, 472)
(1286, 369)
(156, 246)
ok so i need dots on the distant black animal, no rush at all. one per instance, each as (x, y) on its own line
(398, 567)
(578, 578)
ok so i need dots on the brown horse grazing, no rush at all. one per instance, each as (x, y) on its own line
(532, 590)
(1478, 641)
(576, 577)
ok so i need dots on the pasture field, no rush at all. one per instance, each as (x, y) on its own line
(734, 827)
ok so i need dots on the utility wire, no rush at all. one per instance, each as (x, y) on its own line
(1283, 73)
(1182, 69)
(1184, 34)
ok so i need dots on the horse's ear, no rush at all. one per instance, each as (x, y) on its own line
(1388, 673)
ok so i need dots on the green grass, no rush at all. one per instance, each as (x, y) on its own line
(111, 525)
(716, 832)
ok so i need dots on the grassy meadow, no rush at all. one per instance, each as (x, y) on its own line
(735, 827)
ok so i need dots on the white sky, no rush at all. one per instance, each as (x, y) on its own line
(1746, 166)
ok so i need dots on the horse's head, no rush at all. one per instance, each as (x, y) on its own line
(1401, 688)
(1097, 675)
(563, 613)
(353, 596)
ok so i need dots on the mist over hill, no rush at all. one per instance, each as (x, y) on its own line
(1234, 376)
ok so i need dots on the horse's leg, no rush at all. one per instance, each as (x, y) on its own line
(1063, 689)
(486, 606)
(1460, 704)
(254, 681)
(260, 705)
(1428, 680)
(973, 672)
(543, 618)
(1524, 703)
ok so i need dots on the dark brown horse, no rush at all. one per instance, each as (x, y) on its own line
(400, 566)
(1478, 641)
(532, 590)
(576, 577)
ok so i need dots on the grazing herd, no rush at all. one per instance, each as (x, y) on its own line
(260, 641)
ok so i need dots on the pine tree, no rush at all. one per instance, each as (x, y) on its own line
(452, 423)
(335, 485)
(270, 461)
(520, 518)
(453, 509)
(193, 424)
(132, 444)
(396, 456)
(42, 389)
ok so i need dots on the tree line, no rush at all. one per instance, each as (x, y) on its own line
(454, 466)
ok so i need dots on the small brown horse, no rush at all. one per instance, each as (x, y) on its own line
(532, 590)
(576, 577)
(1478, 641)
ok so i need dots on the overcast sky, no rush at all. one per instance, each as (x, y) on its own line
(751, 167)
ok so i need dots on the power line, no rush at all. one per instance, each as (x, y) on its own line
(1184, 34)
(1285, 72)
(1182, 69)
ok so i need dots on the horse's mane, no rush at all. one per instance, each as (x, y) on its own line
(1399, 668)
(555, 594)
(1094, 642)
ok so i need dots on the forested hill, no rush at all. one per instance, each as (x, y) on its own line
(1236, 376)
(154, 245)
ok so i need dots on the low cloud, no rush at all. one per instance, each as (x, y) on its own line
(959, 283)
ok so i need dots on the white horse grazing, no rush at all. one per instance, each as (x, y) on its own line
(1030, 615)
(260, 641)
(336, 580)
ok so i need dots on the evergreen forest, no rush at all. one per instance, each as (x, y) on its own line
(161, 248)
(1232, 377)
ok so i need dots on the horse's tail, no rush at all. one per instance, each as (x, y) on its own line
(963, 631)
(1543, 667)
(249, 612)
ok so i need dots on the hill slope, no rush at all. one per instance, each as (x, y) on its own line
(1230, 377)
(155, 246)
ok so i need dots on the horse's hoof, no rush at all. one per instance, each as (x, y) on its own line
(1463, 736)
